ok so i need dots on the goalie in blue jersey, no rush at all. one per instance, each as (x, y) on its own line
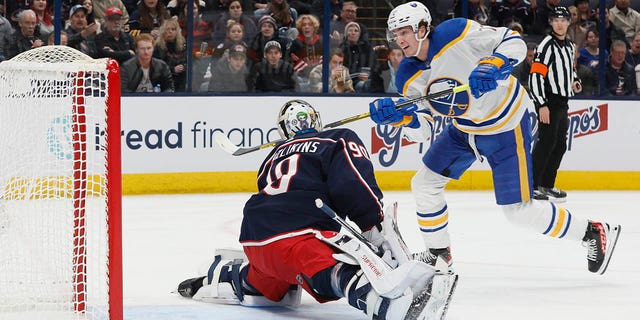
(489, 123)
(290, 244)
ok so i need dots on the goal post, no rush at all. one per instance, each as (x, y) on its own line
(60, 186)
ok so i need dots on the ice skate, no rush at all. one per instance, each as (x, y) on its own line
(438, 258)
(189, 287)
(553, 194)
(539, 195)
(600, 240)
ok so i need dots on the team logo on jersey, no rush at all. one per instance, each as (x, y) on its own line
(452, 105)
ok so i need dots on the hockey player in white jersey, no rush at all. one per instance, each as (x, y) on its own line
(489, 123)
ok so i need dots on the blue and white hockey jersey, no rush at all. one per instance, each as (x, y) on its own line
(455, 48)
(332, 165)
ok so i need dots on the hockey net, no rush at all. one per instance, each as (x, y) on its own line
(60, 186)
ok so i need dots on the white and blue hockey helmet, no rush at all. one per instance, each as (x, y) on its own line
(408, 14)
(298, 116)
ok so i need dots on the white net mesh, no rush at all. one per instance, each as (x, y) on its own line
(54, 249)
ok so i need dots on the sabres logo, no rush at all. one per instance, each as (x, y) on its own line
(452, 105)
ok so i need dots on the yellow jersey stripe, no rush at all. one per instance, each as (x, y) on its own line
(498, 109)
(408, 82)
(522, 165)
(505, 120)
(562, 216)
(453, 42)
(432, 223)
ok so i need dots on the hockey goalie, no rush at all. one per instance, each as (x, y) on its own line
(291, 243)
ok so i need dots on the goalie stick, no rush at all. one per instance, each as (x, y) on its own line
(429, 303)
(333, 215)
(225, 144)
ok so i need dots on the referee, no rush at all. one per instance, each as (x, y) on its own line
(552, 80)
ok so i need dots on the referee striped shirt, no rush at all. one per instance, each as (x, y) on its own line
(552, 70)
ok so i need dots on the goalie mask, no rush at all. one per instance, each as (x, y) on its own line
(411, 14)
(298, 117)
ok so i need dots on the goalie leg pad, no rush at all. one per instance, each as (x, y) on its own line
(392, 235)
(388, 282)
(226, 283)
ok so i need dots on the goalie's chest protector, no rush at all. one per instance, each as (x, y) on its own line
(455, 48)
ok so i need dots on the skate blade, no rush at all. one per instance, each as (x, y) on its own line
(433, 302)
(614, 234)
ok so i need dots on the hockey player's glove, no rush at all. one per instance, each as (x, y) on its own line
(485, 76)
(375, 236)
(383, 111)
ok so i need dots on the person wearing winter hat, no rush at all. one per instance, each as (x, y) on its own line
(272, 74)
(267, 32)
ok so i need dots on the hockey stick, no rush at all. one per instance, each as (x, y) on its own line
(225, 144)
(333, 215)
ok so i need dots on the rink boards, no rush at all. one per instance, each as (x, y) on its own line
(168, 146)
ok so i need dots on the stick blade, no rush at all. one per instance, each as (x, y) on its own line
(224, 143)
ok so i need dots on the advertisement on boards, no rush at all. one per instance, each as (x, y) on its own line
(175, 134)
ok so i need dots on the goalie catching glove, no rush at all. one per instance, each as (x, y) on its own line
(485, 76)
(383, 111)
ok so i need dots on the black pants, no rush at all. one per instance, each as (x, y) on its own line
(551, 144)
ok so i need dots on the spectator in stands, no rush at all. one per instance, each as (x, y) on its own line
(114, 42)
(620, 76)
(585, 14)
(91, 18)
(52, 37)
(202, 29)
(43, 17)
(348, 13)
(522, 70)
(383, 77)
(576, 32)
(81, 35)
(144, 73)
(589, 55)
(339, 80)
(611, 31)
(202, 43)
(267, 27)
(540, 24)
(235, 14)
(26, 37)
(6, 30)
(100, 9)
(358, 57)
(587, 77)
(306, 49)
(477, 11)
(171, 47)
(230, 74)
(284, 15)
(633, 55)
(234, 36)
(148, 18)
(625, 18)
(508, 11)
(272, 74)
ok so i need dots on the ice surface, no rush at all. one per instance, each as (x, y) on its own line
(505, 272)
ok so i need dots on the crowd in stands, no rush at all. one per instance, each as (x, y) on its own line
(277, 45)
